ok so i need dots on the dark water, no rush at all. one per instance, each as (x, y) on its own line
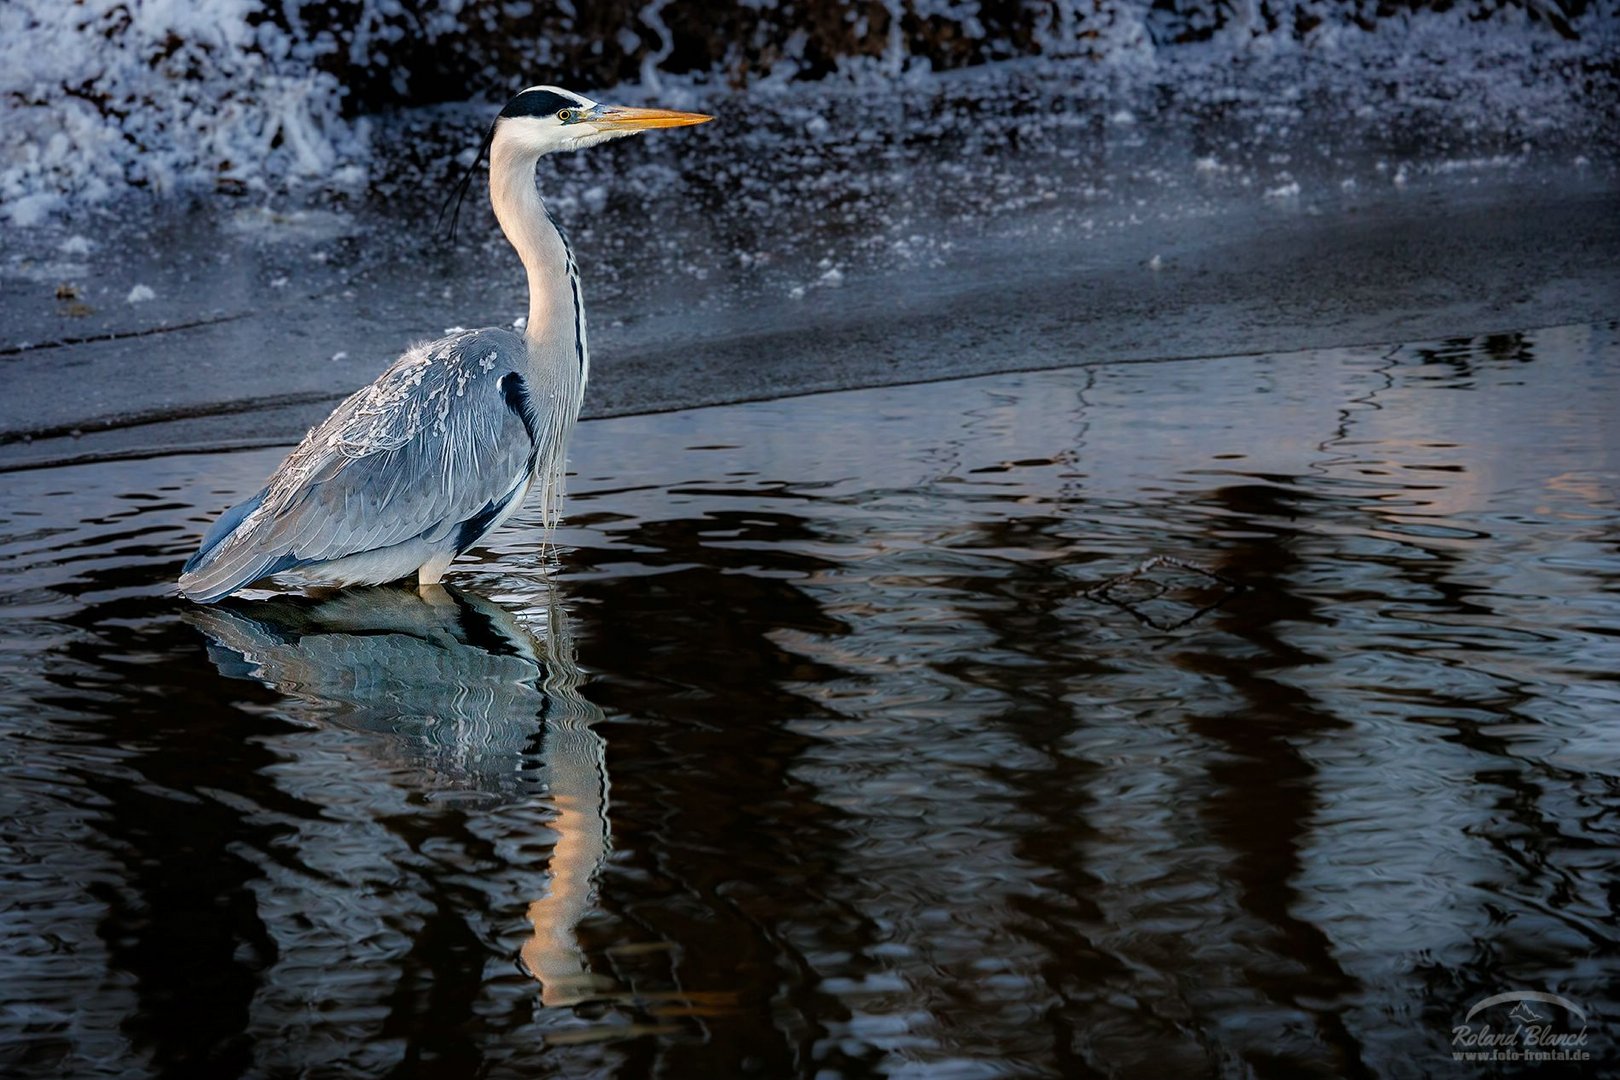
(845, 741)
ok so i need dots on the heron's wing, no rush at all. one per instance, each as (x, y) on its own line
(447, 435)
(440, 437)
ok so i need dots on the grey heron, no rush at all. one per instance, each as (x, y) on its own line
(410, 471)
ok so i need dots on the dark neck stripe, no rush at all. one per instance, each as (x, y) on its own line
(573, 285)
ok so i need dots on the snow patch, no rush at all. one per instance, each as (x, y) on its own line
(101, 96)
(140, 294)
(31, 209)
(277, 226)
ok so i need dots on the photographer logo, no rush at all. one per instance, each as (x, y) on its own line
(1522, 1025)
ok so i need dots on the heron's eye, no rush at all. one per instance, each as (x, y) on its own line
(568, 116)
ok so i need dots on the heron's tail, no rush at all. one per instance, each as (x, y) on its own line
(207, 576)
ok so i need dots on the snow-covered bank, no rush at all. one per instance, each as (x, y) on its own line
(106, 97)
(103, 96)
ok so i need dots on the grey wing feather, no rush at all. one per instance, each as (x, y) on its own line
(435, 441)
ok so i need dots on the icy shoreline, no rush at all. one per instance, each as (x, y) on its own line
(859, 230)
(234, 108)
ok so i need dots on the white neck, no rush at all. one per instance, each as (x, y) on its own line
(555, 334)
(523, 219)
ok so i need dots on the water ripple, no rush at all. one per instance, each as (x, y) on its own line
(1246, 716)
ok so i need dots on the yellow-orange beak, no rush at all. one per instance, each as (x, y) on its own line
(621, 118)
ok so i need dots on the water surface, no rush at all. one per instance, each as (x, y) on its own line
(1253, 716)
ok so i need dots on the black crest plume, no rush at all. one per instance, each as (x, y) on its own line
(459, 192)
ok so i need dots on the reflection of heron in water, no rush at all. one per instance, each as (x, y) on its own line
(465, 688)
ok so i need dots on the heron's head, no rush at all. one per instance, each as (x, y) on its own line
(542, 119)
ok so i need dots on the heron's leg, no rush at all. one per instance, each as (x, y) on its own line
(432, 570)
